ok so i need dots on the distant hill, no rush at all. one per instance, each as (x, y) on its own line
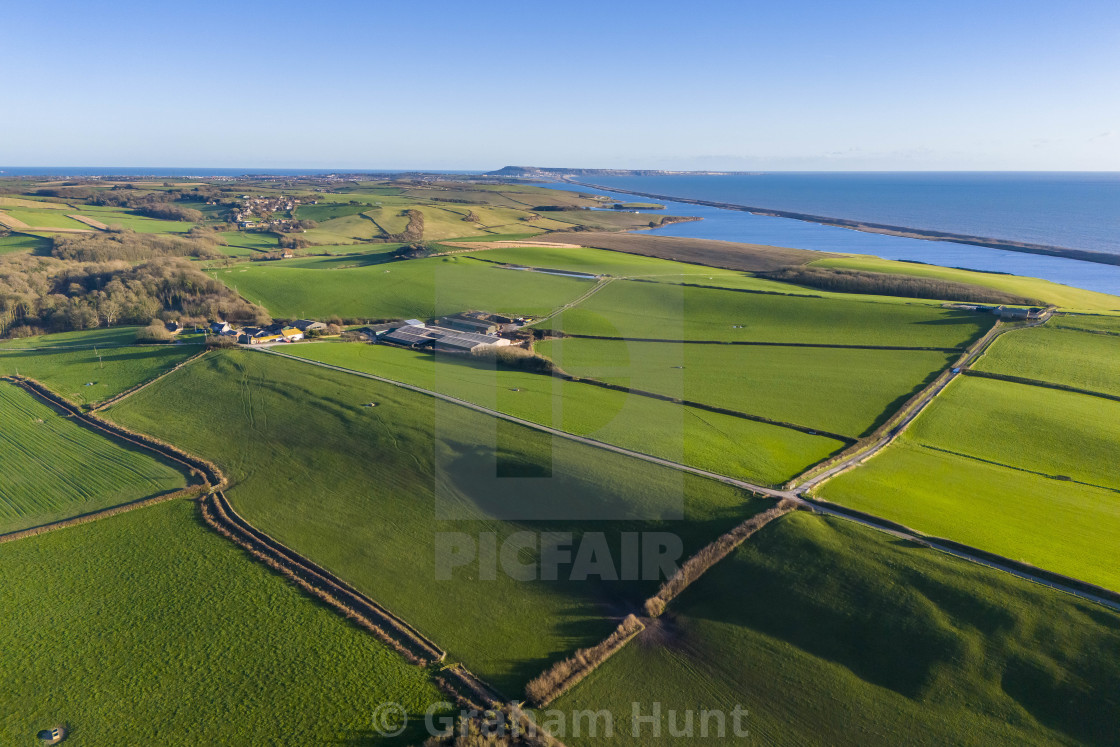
(554, 172)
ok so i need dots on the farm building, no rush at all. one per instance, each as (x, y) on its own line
(480, 322)
(308, 325)
(174, 327)
(221, 328)
(1012, 312)
(442, 339)
(376, 331)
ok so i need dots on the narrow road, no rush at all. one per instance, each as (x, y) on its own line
(796, 494)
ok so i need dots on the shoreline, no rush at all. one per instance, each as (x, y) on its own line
(1084, 255)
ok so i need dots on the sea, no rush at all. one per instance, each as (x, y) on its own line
(1077, 211)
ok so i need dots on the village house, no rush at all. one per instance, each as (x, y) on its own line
(221, 328)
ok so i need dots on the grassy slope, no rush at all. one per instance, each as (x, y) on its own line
(110, 370)
(420, 288)
(1055, 524)
(720, 443)
(1054, 293)
(146, 628)
(838, 390)
(103, 337)
(115, 216)
(1060, 356)
(652, 310)
(55, 468)
(23, 243)
(826, 632)
(45, 218)
(364, 490)
(601, 262)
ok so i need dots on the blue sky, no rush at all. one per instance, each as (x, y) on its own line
(477, 85)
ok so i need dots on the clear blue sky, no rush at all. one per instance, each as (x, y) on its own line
(794, 84)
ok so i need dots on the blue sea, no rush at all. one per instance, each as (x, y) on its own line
(734, 225)
(1074, 210)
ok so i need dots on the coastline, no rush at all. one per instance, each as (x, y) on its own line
(1083, 255)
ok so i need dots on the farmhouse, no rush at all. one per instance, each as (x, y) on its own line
(221, 328)
(307, 325)
(174, 327)
(442, 339)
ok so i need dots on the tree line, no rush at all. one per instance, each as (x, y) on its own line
(47, 294)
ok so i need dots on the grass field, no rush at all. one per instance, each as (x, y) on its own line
(997, 489)
(55, 468)
(89, 376)
(839, 390)
(23, 243)
(364, 491)
(1109, 325)
(102, 336)
(147, 628)
(1026, 427)
(115, 216)
(1053, 293)
(662, 311)
(720, 443)
(818, 627)
(44, 218)
(602, 262)
(1084, 360)
(250, 241)
(415, 288)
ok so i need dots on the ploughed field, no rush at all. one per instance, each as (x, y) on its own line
(924, 648)
(368, 491)
(55, 468)
(149, 628)
(750, 450)
(1022, 471)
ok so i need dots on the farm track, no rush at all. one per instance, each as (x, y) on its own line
(602, 282)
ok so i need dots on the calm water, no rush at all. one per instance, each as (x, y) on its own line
(1075, 210)
(734, 225)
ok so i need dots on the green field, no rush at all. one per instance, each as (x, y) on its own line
(132, 220)
(45, 218)
(749, 450)
(88, 376)
(364, 491)
(147, 628)
(103, 337)
(17, 242)
(834, 389)
(661, 311)
(1059, 356)
(1109, 325)
(55, 468)
(416, 288)
(603, 262)
(827, 632)
(247, 243)
(1044, 290)
(1031, 476)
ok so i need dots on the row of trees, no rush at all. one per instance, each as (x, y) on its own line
(888, 284)
(126, 245)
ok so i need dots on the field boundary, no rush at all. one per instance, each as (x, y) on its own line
(1057, 581)
(560, 335)
(212, 477)
(391, 629)
(1004, 465)
(706, 407)
(1039, 383)
(144, 384)
(189, 492)
(569, 672)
